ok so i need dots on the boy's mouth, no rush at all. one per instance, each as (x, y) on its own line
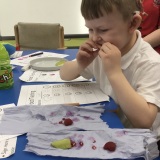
(99, 45)
(95, 49)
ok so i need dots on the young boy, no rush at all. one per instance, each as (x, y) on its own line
(125, 67)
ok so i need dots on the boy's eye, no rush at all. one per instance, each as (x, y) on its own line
(90, 30)
(103, 30)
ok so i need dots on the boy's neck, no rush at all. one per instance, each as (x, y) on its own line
(130, 43)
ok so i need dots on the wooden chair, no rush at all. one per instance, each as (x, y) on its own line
(39, 36)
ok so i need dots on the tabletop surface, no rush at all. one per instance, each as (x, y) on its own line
(11, 96)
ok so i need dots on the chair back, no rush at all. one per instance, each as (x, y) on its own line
(39, 36)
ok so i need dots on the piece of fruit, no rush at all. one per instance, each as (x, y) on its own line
(60, 63)
(68, 122)
(81, 143)
(110, 146)
(73, 144)
(62, 144)
(94, 147)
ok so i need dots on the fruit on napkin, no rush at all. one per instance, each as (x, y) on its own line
(62, 144)
(67, 122)
(110, 146)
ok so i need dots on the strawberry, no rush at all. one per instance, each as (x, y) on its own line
(110, 146)
(68, 122)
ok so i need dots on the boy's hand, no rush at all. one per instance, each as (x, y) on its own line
(87, 53)
(111, 58)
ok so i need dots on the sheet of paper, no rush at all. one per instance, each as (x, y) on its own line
(7, 142)
(24, 60)
(32, 75)
(7, 147)
(82, 93)
(16, 54)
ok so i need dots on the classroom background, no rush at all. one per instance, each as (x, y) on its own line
(67, 13)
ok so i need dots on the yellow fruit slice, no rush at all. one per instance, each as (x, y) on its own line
(60, 63)
(62, 144)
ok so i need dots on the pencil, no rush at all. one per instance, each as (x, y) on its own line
(36, 54)
(71, 104)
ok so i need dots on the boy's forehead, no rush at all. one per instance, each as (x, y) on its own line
(98, 22)
(107, 19)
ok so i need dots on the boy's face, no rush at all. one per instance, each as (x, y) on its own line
(110, 28)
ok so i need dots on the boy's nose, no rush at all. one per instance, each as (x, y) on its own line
(96, 38)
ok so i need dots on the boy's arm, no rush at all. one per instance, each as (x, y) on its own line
(140, 113)
(153, 38)
(70, 71)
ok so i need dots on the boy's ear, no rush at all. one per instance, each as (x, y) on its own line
(135, 23)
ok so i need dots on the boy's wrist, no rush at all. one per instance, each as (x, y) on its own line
(114, 75)
(79, 69)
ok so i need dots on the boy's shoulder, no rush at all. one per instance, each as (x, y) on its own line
(147, 52)
(144, 50)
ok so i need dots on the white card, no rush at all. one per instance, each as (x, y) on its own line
(7, 142)
(7, 147)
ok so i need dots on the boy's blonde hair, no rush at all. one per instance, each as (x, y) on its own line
(92, 9)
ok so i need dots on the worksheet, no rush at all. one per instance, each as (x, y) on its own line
(82, 93)
(32, 75)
